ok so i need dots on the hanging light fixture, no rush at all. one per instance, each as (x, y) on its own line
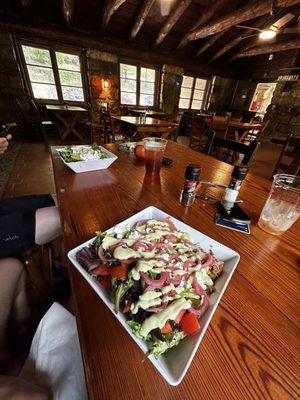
(267, 34)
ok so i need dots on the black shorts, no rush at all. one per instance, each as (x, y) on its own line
(17, 223)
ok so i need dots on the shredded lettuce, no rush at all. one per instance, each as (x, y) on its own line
(136, 329)
(159, 347)
(99, 238)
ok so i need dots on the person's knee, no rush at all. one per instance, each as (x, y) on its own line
(48, 226)
(11, 264)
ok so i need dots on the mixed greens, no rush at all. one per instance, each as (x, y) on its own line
(157, 277)
(82, 153)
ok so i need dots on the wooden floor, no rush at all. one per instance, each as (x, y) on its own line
(33, 174)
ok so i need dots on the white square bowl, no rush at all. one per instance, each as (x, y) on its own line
(89, 165)
(174, 365)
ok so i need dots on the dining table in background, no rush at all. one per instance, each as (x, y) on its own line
(141, 126)
(251, 347)
(68, 116)
(241, 127)
(150, 113)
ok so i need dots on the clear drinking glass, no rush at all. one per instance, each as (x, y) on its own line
(282, 208)
(154, 152)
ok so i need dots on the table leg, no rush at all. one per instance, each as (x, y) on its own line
(130, 131)
(68, 126)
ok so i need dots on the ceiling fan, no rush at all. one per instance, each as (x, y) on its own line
(275, 29)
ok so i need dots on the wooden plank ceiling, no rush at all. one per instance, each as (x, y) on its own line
(197, 31)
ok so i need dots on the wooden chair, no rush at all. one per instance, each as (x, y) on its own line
(170, 133)
(44, 124)
(291, 151)
(220, 126)
(254, 134)
(110, 135)
(96, 126)
(166, 132)
(218, 144)
(198, 133)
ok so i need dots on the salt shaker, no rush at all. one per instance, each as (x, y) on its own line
(238, 175)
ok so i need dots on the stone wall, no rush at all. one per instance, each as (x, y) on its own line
(221, 95)
(284, 110)
(171, 80)
(243, 95)
(231, 95)
(103, 76)
(11, 85)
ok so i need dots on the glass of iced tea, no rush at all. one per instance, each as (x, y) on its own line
(282, 208)
(154, 152)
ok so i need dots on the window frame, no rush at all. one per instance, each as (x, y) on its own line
(206, 91)
(140, 65)
(52, 48)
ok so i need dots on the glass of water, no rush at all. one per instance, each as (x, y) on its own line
(282, 208)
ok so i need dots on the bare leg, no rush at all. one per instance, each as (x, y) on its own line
(47, 225)
(12, 298)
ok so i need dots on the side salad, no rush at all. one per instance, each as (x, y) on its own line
(157, 277)
(82, 153)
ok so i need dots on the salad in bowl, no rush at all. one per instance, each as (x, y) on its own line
(83, 153)
(157, 277)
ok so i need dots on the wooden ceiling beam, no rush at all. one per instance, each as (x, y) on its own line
(272, 48)
(203, 19)
(84, 40)
(232, 43)
(264, 24)
(141, 17)
(110, 6)
(209, 43)
(250, 11)
(68, 11)
(171, 21)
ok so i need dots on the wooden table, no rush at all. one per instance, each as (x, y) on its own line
(241, 127)
(150, 113)
(69, 116)
(294, 141)
(251, 347)
(141, 126)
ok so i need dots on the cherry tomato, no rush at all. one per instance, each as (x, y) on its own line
(189, 324)
(139, 151)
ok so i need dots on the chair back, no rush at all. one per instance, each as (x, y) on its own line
(265, 125)
(235, 147)
(107, 123)
(220, 126)
(166, 132)
(198, 129)
(291, 151)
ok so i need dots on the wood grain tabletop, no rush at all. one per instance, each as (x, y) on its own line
(233, 123)
(65, 108)
(251, 347)
(140, 121)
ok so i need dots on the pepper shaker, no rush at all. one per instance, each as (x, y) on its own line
(192, 177)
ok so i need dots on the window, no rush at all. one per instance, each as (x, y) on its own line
(53, 75)
(193, 93)
(138, 85)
